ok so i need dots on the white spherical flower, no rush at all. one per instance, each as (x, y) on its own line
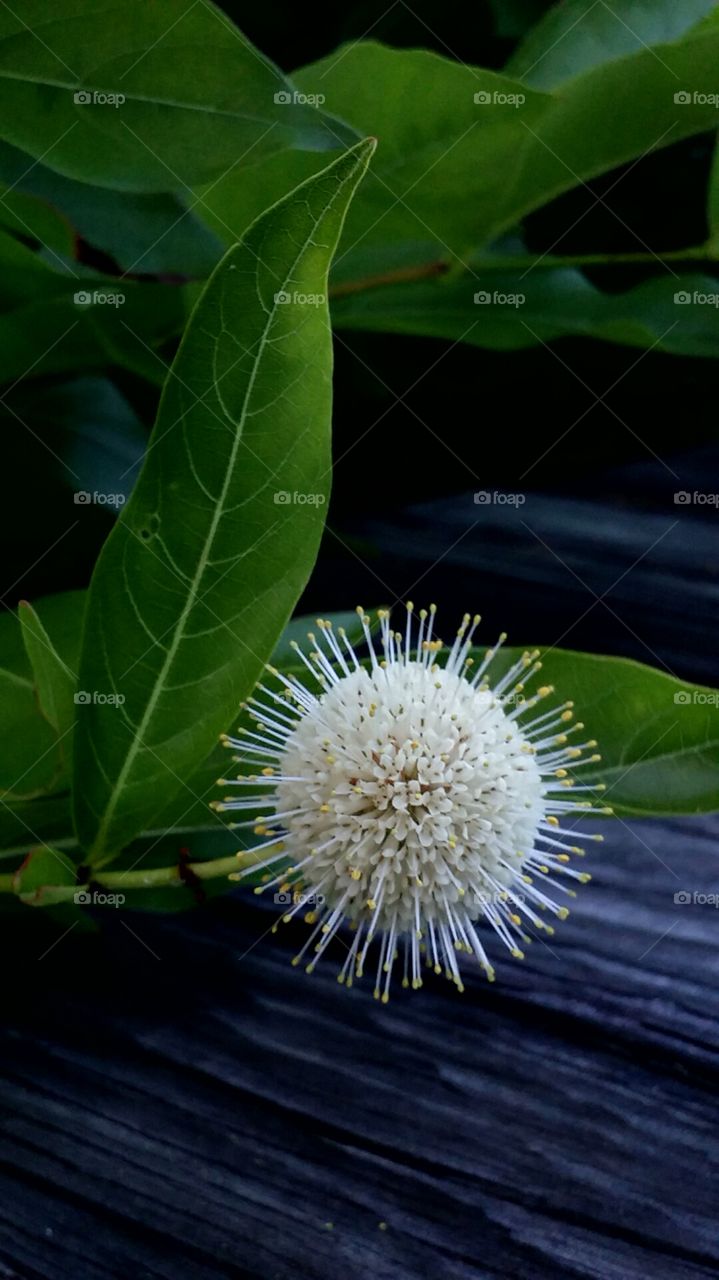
(406, 800)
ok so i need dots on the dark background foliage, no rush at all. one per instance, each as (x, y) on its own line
(420, 418)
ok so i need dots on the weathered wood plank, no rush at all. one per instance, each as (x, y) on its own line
(209, 1112)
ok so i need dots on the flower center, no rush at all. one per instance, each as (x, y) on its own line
(411, 789)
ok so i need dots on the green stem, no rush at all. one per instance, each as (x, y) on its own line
(429, 270)
(695, 253)
(150, 878)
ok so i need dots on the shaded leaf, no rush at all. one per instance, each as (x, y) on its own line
(557, 303)
(145, 234)
(579, 34)
(143, 97)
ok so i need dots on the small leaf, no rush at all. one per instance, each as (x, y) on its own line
(201, 571)
(44, 870)
(54, 680)
(31, 761)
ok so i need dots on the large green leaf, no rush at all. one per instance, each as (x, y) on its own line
(658, 736)
(578, 34)
(677, 314)
(207, 560)
(452, 173)
(144, 97)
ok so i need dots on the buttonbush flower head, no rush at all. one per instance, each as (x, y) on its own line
(413, 800)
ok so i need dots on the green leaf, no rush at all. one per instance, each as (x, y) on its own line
(579, 34)
(32, 765)
(145, 234)
(452, 173)
(145, 97)
(54, 680)
(556, 303)
(203, 568)
(43, 870)
(658, 736)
